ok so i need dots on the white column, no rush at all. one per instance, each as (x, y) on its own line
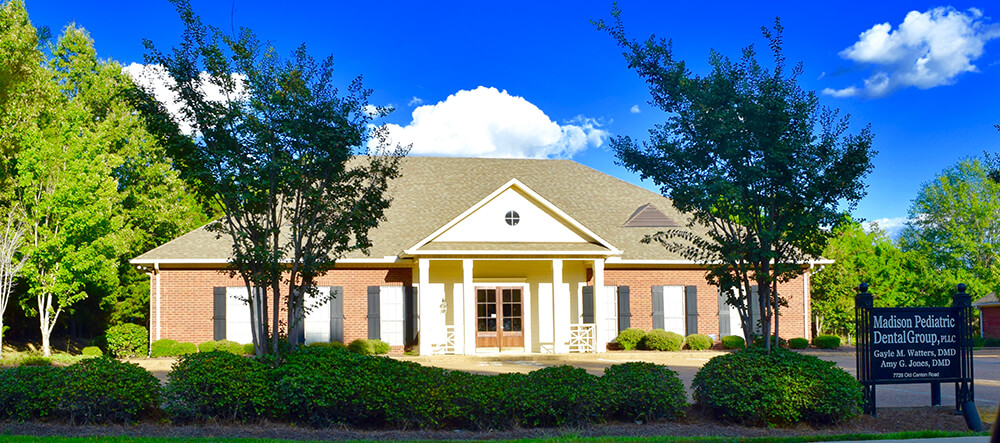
(156, 267)
(424, 306)
(469, 299)
(600, 320)
(560, 309)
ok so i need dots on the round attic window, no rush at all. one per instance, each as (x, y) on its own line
(512, 218)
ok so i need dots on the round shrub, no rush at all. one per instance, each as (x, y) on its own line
(229, 346)
(104, 390)
(248, 349)
(560, 396)
(826, 341)
(733, 342)
(660, 340)
(91, 351)
(30, 392)
(645, 392)
(779, 388)
(380, 347)
(217, 386)
(698, 342)
(127, 340)
(36, 360)
(630, 338)
(163, 348)
(184, 348)
(758, 340)
(361, 346)
(798, 343)
(207, 346)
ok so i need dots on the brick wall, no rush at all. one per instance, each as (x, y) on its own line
(991, 321)
(641, 282)
(186, 297)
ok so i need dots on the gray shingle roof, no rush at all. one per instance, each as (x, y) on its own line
(432, 191)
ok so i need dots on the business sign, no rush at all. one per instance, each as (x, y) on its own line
(915, 344)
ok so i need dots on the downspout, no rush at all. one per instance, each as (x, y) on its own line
(156, 267)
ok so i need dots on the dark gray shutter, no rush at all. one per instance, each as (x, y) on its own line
(754, 310)
(588, 304)
(410, 315)
(691, 306)
(723, 316)
(657, 307)
(374, 320)
(219, 312)
(624, 312)
(337, 313)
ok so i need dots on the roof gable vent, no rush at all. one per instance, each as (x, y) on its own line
(647, 216)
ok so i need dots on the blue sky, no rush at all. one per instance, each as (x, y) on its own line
(536, 79)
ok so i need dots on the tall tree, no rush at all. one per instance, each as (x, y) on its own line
(21, 75)
(762, 168)
(278, 155)
(897, 278)
(953, 221)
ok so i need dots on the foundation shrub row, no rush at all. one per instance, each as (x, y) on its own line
(660, 340)
(330, 386)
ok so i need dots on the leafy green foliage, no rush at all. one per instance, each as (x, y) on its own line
(327, 344)
(36, 360)
(183, 348)
(645, 392)
(898, 278)
(218, 386)
(229, 346)
(30, 392)
(163, 348)
(826, 341)
(560, 396)
(953, 222)
(758, 340)
(207, 346)
(127, 340)
(92, 351)
(660, 340)
(752, 157)
(278, 156)
(104, 390)
(733, 342)
(698, 342)
(630, 338)
(366, 346)
(787, 388)
(798, 343)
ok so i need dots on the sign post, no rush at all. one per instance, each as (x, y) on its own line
(915, 345)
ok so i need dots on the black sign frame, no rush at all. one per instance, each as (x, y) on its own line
(915, 345)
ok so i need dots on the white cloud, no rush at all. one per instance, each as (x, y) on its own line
(635, 109)
(485, 122)
(371, 110)
(154, 79)
(415, 101)
(928, 49)
(892, 226)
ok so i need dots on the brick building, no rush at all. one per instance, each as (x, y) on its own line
(480, 256)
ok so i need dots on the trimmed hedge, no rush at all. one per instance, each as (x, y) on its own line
(798, 343)
(630, 338)
(229, 346)
(758, 340)
(698, 342)
(163, 348)
(94, 390)
(104, 390)
(184, 348)
(660, 340)
(733, 342)
(366, 346)
(217, 385)
(826, 341)
(127, 340)
(645, 392)
(779, 388)
(91, 351)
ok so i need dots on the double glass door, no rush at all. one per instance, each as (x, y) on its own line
(499, 317)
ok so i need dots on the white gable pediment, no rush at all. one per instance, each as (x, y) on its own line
(514, 214)
(511, 217)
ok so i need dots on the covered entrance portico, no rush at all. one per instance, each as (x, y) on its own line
(519, 304)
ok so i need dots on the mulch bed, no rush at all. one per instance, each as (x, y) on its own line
(695, 424)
